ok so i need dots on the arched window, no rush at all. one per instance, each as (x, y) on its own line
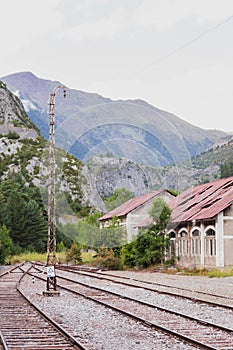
(210, 232)
(210, 242)
(195, 242)
(183, 233)
(195, 233)
(183, 242)
(172, 234)
(172, 248)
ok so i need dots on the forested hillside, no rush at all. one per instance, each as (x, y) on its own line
(82, 189)
(23, 182)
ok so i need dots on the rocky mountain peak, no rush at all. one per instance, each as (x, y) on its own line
(13, 116)
(95, 125)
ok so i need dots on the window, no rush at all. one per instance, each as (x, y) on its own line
(172, 248)
(210, 242)
(183, 243)
(195, 243)
(210, 232)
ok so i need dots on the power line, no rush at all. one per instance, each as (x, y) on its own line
(162, 59)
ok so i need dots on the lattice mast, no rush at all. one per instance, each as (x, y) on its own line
(51, 244)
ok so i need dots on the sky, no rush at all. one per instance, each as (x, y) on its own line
(175, 54)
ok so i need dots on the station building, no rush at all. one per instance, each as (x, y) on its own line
(135, 212)
(201, 229)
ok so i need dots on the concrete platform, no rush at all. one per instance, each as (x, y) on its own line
(51, 293)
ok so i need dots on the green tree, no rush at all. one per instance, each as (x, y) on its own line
(128, 254)
(61, 237)
(106, 258)
(61, 247)
(12, 135)
(149, 247)
(35, 232)
(3, 209)
(91, 236)
(120, 196)
(110, 237)
(22, 212)
(6, 244)
(81, 232)
(160, 214)
(92, 219)
(226, 169)
(74, 253)
(15, 218)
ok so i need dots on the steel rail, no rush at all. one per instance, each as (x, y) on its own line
(73, 343)
(3, 341)
(50, 320)
(149, 304)
(11, 269)
(102, 276)
(188, 339)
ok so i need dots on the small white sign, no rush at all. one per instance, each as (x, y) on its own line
(50, 271)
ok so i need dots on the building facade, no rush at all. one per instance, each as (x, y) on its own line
(134, 212)
(201, 230)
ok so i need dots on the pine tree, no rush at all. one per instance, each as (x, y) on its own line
(36, 228)
(22, 212)
(226, 169)
(15, 217)
(6, 244)
(3, 210)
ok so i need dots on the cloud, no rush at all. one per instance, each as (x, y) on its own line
(189, 95)
(124, 49)
(97, 29)
(163, 15)
(25, 20)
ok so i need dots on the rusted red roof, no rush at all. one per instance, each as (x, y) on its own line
(203, 201)
(130, 205)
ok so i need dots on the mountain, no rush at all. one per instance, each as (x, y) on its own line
(111, 173)
(89, 125)
(24, 151)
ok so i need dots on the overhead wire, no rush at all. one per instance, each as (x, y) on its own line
(162, 59)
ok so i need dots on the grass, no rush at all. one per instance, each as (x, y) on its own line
(219, 273)
(228, 272)
(87, 257)
(25, 257)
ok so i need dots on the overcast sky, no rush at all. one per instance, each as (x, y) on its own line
(175, 54)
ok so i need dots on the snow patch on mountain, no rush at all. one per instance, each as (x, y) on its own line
(28, 105)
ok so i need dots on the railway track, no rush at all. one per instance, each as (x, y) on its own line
(198, 296)
(22, 324)
(194, 331)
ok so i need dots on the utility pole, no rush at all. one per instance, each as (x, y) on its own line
(51, 286)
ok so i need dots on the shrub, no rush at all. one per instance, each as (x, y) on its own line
(105, 258)
(74, 254)
(12, 135)
(218, 273)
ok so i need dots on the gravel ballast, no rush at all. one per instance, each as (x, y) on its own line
(102, 328)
